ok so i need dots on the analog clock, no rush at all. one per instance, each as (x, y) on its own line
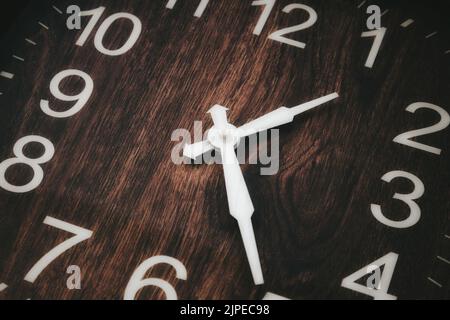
(95, 205)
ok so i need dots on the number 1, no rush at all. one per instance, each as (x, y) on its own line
(200, 9)
(269, 4)
(379, 36)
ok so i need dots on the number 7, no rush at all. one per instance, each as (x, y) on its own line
(379, 36)
(81, 234)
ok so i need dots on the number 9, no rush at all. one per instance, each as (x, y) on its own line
(80, 98)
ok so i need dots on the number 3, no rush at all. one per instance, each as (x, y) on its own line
(414, 215)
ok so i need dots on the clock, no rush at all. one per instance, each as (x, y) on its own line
(104, 188)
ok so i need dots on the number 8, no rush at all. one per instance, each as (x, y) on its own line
(38, 174)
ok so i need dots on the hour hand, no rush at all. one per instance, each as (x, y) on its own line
(195, 150)
(218, 113)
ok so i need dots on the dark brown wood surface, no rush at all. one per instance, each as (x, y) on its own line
(112, 172)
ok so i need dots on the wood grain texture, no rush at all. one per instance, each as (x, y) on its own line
(112, 172)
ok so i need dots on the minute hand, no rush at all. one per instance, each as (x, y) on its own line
(241, 208)
(239, 201)
(281, 116)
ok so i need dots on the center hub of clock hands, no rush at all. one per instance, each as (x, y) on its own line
(220, 137)
(225, 137)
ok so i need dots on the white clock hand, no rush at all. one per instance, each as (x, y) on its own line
(219, 115)
(197, 149)
(273, 119)
(281, 116)
(239, 201)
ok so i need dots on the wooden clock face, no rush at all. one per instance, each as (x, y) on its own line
(92, 205)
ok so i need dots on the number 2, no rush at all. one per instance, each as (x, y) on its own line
(81, 235)
(404, 138)
(280, 34)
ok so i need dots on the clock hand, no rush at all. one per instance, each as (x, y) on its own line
(273, 119)
(239, 201)
(219, 115)
(281, 116)
(197, 149)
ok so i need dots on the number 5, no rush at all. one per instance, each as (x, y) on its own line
(80, 235)
(414, 215)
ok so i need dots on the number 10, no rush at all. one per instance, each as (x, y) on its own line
(98, 40)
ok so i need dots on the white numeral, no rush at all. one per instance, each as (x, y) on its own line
(378, 35)
(414, 215)
(379, 291)
(38, 173)
(96, 14)
(80, 98)
(137, 281)
(98, 40)
(81, 235)
(404, 138)
(200, 9)
(269, 4)
(280, 34)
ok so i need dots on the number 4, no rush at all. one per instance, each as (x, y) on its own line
(81, 234)
(379, 291)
